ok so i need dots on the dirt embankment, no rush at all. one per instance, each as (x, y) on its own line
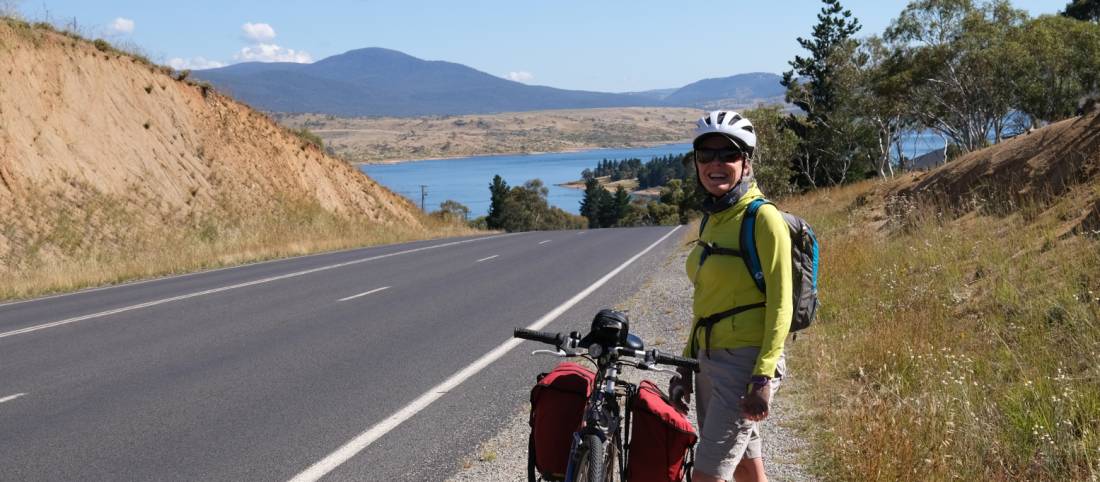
(102, 152)
(1060, 161)
(399, 139)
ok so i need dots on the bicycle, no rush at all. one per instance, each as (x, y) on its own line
(597, 453)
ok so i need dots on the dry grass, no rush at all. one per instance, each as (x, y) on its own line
(953, 348)
(105, 243)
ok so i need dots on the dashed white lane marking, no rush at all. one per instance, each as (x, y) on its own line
(11, 397)
(487, 259)
(544, 242)
(352, 297)
(361, 441)
(231, 287)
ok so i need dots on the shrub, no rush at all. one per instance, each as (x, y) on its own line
(182, 75)
(308, 138)
(102, 45)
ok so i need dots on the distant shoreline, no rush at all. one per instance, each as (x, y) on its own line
(532, 153)
(647, 193)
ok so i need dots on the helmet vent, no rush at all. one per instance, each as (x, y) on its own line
(707, 120)
(748, 128)
(736, 118)
(721, 115)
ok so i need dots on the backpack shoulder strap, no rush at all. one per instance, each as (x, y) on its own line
(703, 223)
(748, 243)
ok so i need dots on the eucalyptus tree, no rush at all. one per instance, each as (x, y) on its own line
(882, 92)
(963, 70)
(775, 151)
(1062, 56)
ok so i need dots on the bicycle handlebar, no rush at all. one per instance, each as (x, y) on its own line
(556, 339)
(559, 340)
(679, 361)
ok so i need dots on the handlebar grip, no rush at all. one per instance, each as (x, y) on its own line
(679, 361)
(556, 339)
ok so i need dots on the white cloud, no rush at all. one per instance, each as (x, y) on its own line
(194, 63)
(258, 32)
(520, 76)
(263, 52)
(122, 25)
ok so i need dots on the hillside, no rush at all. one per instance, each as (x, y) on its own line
(394, 139)
(382, 82)
(733, 92)
(1035, 167)
(960, 317)
(110, 168)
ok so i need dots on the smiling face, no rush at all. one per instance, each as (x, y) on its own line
(716, 176)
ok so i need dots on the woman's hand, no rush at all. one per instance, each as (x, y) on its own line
(754, 406)
(680, 388)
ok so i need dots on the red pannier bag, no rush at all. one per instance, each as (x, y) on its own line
(659, 438)
(557, 409)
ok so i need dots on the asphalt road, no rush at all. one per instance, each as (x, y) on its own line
(262, 371)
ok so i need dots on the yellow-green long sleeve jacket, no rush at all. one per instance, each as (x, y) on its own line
(723, 282)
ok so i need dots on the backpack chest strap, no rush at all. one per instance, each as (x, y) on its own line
(709, 249)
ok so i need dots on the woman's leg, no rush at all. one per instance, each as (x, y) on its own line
(724, 436)
(750, 470)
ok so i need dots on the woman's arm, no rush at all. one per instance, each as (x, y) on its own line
(773, 243)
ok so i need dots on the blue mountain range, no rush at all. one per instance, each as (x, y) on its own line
(383, 82)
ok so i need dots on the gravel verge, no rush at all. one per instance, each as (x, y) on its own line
(660, 312)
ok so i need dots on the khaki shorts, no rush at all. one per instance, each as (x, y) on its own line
(725, 437)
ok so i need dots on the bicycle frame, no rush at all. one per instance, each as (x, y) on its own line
(603, 412)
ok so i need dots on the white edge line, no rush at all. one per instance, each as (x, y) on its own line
(487, 259)
(361, 441)
(11, 397)
(223, 268)
(67, 321)
(544, 242)
(352, 297)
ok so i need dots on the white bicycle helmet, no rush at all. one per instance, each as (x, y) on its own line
(729, 124)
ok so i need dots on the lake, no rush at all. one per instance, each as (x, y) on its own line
(467, 179)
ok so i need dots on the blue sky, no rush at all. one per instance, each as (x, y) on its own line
(611, 46)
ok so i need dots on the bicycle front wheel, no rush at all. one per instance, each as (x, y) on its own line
(590, 464)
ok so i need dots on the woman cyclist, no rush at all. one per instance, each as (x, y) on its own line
(739, 331)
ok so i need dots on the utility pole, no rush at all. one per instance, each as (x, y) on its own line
(423, 195)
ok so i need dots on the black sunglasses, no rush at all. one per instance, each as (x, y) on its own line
(706, 156)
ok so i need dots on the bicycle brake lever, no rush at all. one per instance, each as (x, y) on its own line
(557, 353)
(665, 370)
(647, 366)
